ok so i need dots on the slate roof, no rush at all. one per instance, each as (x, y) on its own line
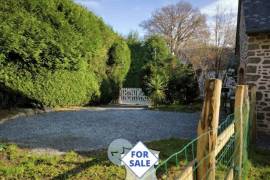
(257, 18)
(257, 15)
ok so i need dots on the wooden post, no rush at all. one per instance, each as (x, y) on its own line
(246, 125)
(208, 123)
(187, 172)
(230, 175)
(238, 115)
(253, 114)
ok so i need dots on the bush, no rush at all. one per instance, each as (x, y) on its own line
(118, 61)
(60, 88)
(152, 57)
(183, 85)
(118, 67)
(56, 52)
(156, 53)
(138, 61)
(156, 89)
(156, 50)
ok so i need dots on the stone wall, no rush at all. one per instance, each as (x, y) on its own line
(254, 55)
(258, 74)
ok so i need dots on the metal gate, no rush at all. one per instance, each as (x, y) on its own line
(133, 96)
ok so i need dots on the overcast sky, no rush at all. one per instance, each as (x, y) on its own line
(126, 15)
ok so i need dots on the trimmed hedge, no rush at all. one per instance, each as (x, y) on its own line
(60, 88)
(118, 66)
(57, 52)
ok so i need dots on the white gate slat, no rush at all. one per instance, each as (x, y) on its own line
(133, 96)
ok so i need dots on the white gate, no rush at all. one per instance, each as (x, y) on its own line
(133, 96)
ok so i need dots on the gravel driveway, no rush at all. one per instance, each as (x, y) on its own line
(94, 129)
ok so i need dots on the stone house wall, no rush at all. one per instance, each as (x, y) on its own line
(258, 74)
(254, 67)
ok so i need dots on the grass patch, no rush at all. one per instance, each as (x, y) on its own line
(259, 164)
(181, 107)
(18, 163)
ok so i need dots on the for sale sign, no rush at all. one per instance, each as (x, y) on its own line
(140, 159)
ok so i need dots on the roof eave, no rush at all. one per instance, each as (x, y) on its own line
(257, 31)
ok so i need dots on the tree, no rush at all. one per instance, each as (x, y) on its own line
(210, 56)
(156, 54)
(224, 31)
(177, 23)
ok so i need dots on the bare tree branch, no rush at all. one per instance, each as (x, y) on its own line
(177, 23)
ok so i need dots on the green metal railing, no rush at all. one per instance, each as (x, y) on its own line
(224, 159)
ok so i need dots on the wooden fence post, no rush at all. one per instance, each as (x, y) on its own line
(187, 172)
(230, 175)
(253, 114)
(208, 123)
(238, 115)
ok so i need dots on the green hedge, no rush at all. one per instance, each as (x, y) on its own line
(56, 51)
(118, 67)
(61, 88)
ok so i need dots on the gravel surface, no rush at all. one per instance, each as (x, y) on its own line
(94, 129)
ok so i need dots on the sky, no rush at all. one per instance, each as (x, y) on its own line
(126, 15)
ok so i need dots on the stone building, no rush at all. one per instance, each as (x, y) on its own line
(253, 51)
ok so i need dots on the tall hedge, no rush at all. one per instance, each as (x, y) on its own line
(55, 51)
(118, 66)
(135, 75)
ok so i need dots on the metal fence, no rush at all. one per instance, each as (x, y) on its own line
(228, 152)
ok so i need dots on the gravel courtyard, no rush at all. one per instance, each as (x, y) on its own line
(94, 129)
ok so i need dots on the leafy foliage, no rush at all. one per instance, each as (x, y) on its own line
(118, 66)
(56, 52)
(156, 89)
(183, 85)
(156, 49)
(156, 54)
(152, 57)
(138, 61)
(119, 61)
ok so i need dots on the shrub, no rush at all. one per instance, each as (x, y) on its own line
(153, 51)
(118, 67)
(183, 85)
(56, 52)
(156, 49)
(156, 88)
(118, 61)
(60, 88)
(138, 61)
(153, 56)
(156, 55)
